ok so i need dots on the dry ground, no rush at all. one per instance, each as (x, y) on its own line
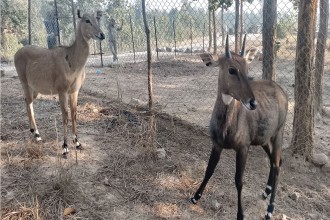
(118, 177)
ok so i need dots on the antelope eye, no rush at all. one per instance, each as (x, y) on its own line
(232, 71)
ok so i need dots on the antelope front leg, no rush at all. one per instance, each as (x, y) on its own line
(73, 108)
(213, 161)
(271, 206)
(63, 97)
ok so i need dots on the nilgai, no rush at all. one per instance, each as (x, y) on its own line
(246, 112)
(60, 70)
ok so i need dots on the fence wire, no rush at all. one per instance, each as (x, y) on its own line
(180, 32)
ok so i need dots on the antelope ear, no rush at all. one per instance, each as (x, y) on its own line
(78, 13)
(210, 60)
(251, 54)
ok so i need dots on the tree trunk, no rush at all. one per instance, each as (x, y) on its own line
(57, 23)
(268, 39)
(303, 122)
(236, 25)
(132, 36)
(73, 17)
(222, 29)
(320, 50)
(146, 28)
(29, 22)
(214, 33)
(210, 30)
(241, 25)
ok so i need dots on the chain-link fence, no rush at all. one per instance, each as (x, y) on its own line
(180, 31)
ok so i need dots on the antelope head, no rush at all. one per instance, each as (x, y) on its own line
(233, 75)
(89, 27)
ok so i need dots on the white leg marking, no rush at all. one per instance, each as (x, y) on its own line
(65, 150)
(264, 194)
(75, 140)
(269, 214)
(36, 133)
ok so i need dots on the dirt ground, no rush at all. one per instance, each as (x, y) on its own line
(118, 176)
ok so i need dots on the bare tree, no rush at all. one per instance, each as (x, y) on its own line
(210, 29)
(242, 21)
(213, 6)
(320, 50)
(268, 39)
(236, 25)
(241, 24)
(214, 33)
(303, 122)
(146, 29)
(222, 28)
(29, 21)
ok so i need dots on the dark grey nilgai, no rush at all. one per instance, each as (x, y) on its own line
(246, 112)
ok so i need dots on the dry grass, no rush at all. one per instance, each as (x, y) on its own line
(119, 177)
(22, 212)
(125, 180)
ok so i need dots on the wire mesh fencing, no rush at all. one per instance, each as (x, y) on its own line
(180, 32)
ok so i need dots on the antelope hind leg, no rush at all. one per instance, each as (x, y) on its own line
(268, 189)
(276, 160)
(30, 95)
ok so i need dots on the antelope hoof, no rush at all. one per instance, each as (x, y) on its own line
(269, 212)
(65, 152)
(240, 216)
(193, 200)
(79, 147)
(37, 137)
(264, 195)
(77, 143)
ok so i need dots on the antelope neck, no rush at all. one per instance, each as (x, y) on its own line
(78, 51)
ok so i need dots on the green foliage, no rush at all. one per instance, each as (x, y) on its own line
(252, 29)
(295, 3)
(281, 32)
(189, 21)
(10, 47)
(286, 24)
(215, 4)
(14, 15)
(13, 26)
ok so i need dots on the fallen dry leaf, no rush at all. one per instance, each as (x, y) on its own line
(69, 211)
